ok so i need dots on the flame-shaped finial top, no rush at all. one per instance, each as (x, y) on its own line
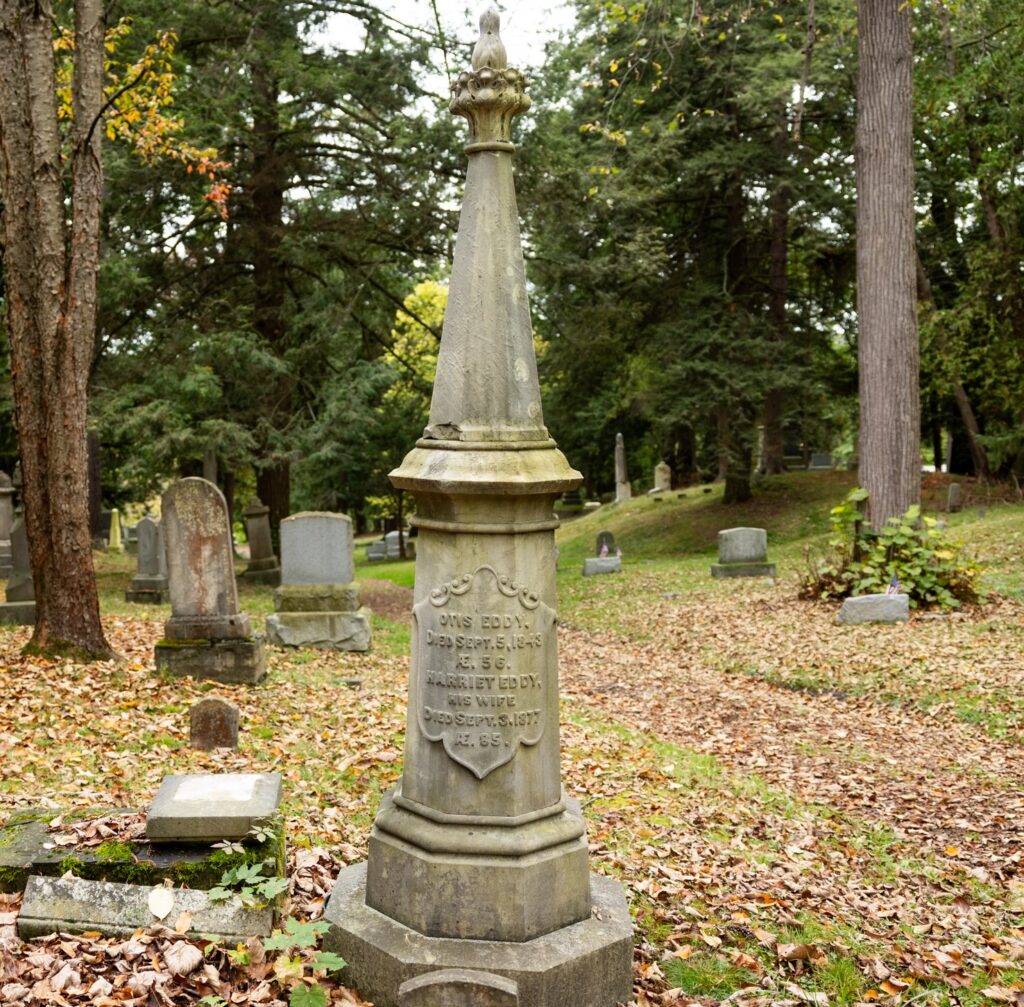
(489, 49)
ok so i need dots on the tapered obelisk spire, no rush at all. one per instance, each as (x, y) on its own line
(477, 889)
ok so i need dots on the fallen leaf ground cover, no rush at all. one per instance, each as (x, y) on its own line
(801, 813)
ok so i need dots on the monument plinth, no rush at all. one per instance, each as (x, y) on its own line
(477, 861)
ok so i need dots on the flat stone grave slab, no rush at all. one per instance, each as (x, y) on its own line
(602, 564)
(874, 608)
(75, 905)
(28, 847)
(209, 807)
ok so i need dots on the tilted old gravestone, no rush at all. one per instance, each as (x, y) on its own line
(623, 490)
(262, 566)
(477, 859)
(213, 723)
(20, 605)
(874, 608)
(743, 552)
(149, 585)
(955, 500)
(6, 524)
(317, 604)
(662, 478)
(206, 636)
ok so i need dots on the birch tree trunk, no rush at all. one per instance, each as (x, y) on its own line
(890, 409)
(50, 268)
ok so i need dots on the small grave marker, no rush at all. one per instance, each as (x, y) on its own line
(213, 723)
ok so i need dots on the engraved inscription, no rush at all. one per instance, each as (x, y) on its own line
(485, 661)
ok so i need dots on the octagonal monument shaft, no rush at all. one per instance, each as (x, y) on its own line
(476, 858)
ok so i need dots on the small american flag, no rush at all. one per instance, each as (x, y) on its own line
(894, 585)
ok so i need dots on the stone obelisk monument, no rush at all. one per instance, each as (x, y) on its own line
(476, 890)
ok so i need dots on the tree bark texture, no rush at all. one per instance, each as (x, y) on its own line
(888, 354)
(773, 452)
(50, 274)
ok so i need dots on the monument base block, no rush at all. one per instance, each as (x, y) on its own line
(145, 596)
(18, 613)
(259, 573)
(598, 565)
(220, 660)
(742, 569)
(587, 964)
(339, 630)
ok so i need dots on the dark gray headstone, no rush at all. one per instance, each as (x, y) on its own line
(213, 723)
(955, 501)
(604, 538)
(20, 587)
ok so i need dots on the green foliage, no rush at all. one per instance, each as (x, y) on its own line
(250, 883)
(932, 570)
(296, 942)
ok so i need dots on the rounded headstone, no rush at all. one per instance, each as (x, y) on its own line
(213, 723)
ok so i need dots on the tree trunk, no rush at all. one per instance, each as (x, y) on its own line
(50, 275)
(273, 487)
(95, 486)
(772, 456)
(890, 420)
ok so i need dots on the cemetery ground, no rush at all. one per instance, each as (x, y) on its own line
(802, 813)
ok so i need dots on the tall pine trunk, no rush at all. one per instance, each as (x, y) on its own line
(50, 269)
(890, 408)
(773, 452)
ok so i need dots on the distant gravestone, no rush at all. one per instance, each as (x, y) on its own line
(206, 636)
(605, 542)
(19, 608)
(263, 566)
(6, 524)
(662, 478)
(597, 565)
(743, 552)
(874, 608)
(149, 585)
(391, 544)
(954, 502)
(821, 460)
(623, 490)
(114, 542)
(376, 551)
(317, 604)
(213, 723)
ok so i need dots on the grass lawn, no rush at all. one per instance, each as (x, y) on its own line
(802, 813)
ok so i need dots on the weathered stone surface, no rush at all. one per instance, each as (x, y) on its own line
(209, 807)
(263, 566)
(821, 460)
(743, 545)
(874, 608)
(74, 905)
(200, 564)
(604, 539)
(213, 723)
(743, 570)
(662, 477)
(623, 489)
(598, 565)
(243, 661)
(316, 598)
(587, 964)
(954, 500)
(27, 847)
(338, 630)
(376, 551)
(458, 988)
(20, 586)
(316, 548)
(149, 585)
(18, 613)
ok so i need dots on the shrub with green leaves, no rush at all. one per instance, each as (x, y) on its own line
(932, 569)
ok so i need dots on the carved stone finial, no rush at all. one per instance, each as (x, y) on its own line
(489, 49)
(491, 93)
